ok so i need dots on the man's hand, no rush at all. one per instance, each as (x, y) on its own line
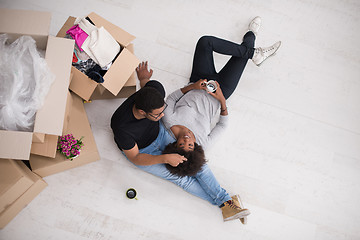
(174, 159)
(143, 73)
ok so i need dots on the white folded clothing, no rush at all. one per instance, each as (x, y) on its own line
(101, 46)
(85, 25)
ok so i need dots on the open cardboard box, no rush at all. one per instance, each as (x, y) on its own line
(13, 182)
(20, 189)
(119, 80)
(49, 119)
(77, 124)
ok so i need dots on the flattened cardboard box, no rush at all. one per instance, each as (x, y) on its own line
(13, 182)
(13, 209)
(50, 118)
(78, 125)
(119, 74)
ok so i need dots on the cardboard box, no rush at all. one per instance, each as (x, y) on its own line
(77, 124)
(49, 119)
(36, 186)
(13, 182)
(119, 74)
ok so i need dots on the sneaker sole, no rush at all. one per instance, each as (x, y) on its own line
(238, 215)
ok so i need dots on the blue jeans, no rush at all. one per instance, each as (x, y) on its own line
(203, 184)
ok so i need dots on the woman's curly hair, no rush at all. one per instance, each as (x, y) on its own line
(195, 160)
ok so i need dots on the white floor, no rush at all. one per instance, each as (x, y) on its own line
(292, 150)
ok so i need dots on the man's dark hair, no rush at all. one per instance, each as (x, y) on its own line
(195, 160)
(148, 99)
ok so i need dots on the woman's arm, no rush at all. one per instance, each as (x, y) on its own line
(175, 96)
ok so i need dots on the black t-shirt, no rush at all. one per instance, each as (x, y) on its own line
(128, 130)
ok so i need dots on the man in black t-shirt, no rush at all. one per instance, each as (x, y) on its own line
(136, 122)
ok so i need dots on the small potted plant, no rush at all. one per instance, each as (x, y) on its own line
(69, 146)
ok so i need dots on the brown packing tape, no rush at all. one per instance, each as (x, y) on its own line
(79, 126)
(13, 182)
(12, 210)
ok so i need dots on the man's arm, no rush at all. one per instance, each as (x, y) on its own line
(144, 159)
(143, 73)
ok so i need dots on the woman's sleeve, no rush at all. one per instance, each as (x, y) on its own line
(216, 131)
(171, 101)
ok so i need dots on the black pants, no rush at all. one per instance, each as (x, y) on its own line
(229, 76)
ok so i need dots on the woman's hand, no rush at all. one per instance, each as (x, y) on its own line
(200, 84)
(218, 94)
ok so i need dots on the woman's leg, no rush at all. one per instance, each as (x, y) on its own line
(203, 63)
(230, 74)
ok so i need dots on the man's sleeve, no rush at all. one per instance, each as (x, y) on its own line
(124, 141)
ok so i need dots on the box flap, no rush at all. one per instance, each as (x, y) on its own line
(50, 118)
(79, 126)
(38, 137)
(81, 84)
(67, 25)
(24, 22)
(12, 210)
(15, 145)
(132, 80)
(47, 148)
(13, 182)
(125, 92)
(121, 36)
(116, 77)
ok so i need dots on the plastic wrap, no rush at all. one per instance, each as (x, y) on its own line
(25, 80)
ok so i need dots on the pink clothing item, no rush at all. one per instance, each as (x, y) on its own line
(78, 35)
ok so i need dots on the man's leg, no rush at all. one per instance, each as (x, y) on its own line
(211, 186)
(189, 184)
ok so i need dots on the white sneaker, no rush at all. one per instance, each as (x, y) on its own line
(255, 25)
(261, 54)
